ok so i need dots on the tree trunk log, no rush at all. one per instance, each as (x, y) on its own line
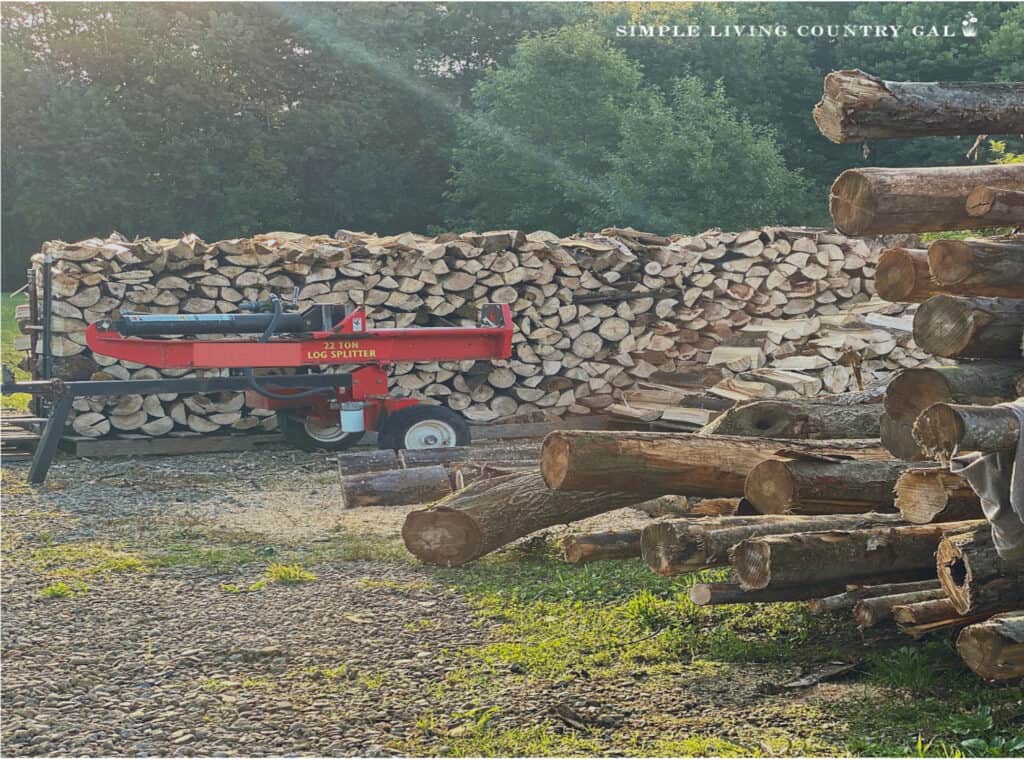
(973, 575)
(653, 464)
(858, 107)
(996, 207)
(847, 599)
(994, 649)
(491, 513)
(902, 275)
(870, 612)
(416, 485)
(612, 544)
(934, 494)
(917, 631)
(978, 267)
(912, 391)
(972, 328)
(808, 486)
(942, 429)
(878, 201)
(797, 419)
(897, 436)
(889, 554)
(921, 613)
(682, 546)
(703, 594)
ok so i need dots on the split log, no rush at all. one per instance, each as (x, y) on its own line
(996, 207)
(612, 544)
(703, 594)
(924, 612)
(973, 575)
(875, 201)
(492, 513)
(857, 107)
(943, 429)
(934, 494)
(416, 485)
(674, 547)
(848, 598)
(809, 486)
(660, 463)
(797, 419)
(902, 275)
(977, 267)
(994, 649)
(874, 610)
(978, 328)
(881, 554)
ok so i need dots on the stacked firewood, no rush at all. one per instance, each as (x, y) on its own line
(612, 321)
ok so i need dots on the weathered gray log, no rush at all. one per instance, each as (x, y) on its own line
(978, 267)
(889, 554)
(653, 464)
(809, 486)
(797, 419)
(859, 107)
(912, 391)
(970, 328)
(416, 485)
(874, 610)
(934, 494)
(973, 575)
(492, 513)
(994, 649)
(897, 437)
(877, 201)
(902, 275)
(996, 207)
(924, 612)
(703, 594)
(846, 599)
(611, 544)
(942, 429)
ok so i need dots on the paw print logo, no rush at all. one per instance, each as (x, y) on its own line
(970, 25)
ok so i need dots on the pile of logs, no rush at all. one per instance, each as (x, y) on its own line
(624, 321)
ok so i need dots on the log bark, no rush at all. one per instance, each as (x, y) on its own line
(841, 556)
(612, 544)
(959, 621)
(492, 513)
(416, 485)
(875, 201)
(942, 429)
(934, 494)
(797, 419)
(703, 594)
(994, 649)
(977, 267)
(996, 207)
(859, 107)
(870, 612)
(847, 599)
(924, 612)
(658, 463)
(680, 546)
(902, 275)
(912, 391)
(970, 328)
(808, 486)
(974, 577)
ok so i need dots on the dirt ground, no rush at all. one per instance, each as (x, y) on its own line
(140, 617)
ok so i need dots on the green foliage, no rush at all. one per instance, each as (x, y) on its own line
(77, 561)
(63, 590)
(8, 355)
(278, 573)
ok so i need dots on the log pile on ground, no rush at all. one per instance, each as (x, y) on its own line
(632, 323)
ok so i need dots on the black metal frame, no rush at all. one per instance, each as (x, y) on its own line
(63, 395)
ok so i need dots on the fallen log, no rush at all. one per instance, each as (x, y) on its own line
(673, 547)
(612, 544)
(994, 649)
(653, 464)
(917, 631)
(973, 575)
(972, 328)
(797, 419)
(943, 429)
(872, 611)
(996, 207)
(703, 594)
(924, 612)
(882, 554)
(977, 267)
(853, 594)
(934, 494)
(810, 486)
(858, 107)
(876, 201)
(912, 391)
(491, 513)
(416, 485)
(903, 276)
(897, 436)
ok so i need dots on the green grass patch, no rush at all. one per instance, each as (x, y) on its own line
(9, 356)
(279, 573)
(84, 560)
(63, 590)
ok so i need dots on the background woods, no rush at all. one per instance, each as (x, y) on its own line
(229, 120)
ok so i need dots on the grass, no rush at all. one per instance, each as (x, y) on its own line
(78, 561)
(278, 573)
(9, 356)
(63, 590)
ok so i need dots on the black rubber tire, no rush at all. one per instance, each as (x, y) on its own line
(293, 428)
(392, 432)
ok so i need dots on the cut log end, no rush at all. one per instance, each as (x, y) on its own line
(771, 488)
(944, 325)
(751, 561)
(896, 276)
(554, 461)
(852, 203)
(938, 430)
(660, 550)
(445, 537)
(950, 261)
(913, 390)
